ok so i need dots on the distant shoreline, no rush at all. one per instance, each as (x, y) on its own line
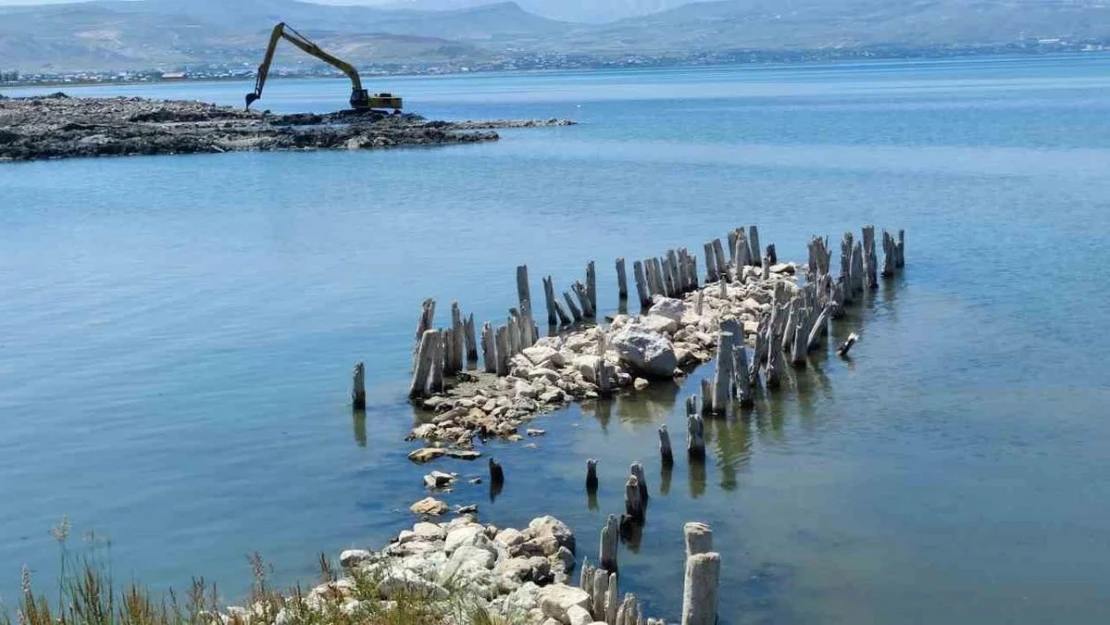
(770, 60)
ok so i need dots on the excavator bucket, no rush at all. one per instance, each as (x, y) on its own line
(251, 97)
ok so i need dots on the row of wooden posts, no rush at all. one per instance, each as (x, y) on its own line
(796, 324)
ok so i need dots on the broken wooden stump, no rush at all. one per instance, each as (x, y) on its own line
(771, 257)
(870, 270)
(699, 593)
(489, 348)
(634, 504)
(665, 451)
(699, 538)
(637, 470)
(427, 319)
(719, 259)
(496, 473)
(591, 286)
(722, 380)
(471, 339)
(711, 272)
(503, 351)
(574, 310)
(591, 475)
(695, 430)
(642, 290)
(743, 381)
(753, 242)
(439, 354)
(610, 537)
(425, 359)
(358, 387)
(706, 396)
(622, 280)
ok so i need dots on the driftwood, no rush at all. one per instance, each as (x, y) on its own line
(358, 387)
(843, 350)
(584, 300)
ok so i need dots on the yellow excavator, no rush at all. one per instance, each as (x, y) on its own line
(361, 100)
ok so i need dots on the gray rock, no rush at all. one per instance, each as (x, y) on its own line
(667, 307)
(565, 558)
(428, 531)
(550, 526)
(468, 536)
(429, 506)
(646, 352)
(578, 615)
(403, 583)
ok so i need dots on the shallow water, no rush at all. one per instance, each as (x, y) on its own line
(177, 333)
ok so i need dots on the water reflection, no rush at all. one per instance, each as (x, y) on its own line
(650, 406)
(665, 474)
(358, 418)
(697, 475)
(732, 441)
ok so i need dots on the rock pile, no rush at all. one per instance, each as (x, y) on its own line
(674, 336)
(57, 126)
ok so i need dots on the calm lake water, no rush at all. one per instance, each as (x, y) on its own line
(177, 333)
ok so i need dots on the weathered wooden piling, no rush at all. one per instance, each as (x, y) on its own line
(591, 286)
(771, 257)
(642, 290)
(890, 255)
(598, 593)
(657, 274)
(637, 469)
(425, 358)
(753, 242)
(358, 387)
(843, 350)
(699, 538)
(773, 370)
(610, 537)
(719, 259)
(742, 254)
(706, 396)
(457, 348)
(604, 376)
(901, 262)
(523, 289)
(722, 380)
(820, 327)
(870, 270)
(634, 504)
(622, 280)
(574, 311)
(496, 473)
(549, 300)
(695, 430)
(471, 339)
(502, 350)
(591, 475)
(489, 348)
(743, 381)
(439, 354)
(665, 451)
(584, 300)
(846, 279)
(612, 601)
(710, 263)
(427, 319)
(699, 593)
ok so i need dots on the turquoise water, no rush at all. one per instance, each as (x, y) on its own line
(176, 334)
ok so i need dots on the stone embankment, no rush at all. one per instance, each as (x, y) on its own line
(58, 126)
(462, 570)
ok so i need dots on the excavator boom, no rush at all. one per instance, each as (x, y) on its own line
(360, 98)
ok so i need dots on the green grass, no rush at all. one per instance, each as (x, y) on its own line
(87, 594)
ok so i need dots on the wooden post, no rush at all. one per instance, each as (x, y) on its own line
(706, 396)
(774, 360)
(699, 538)
(496, 473)
(591, 287)
(633, 502)
(722, 381)
(583, 299)
(695, 430)
(772, 256)
(358, 387)
(740, 371)
(591, 475)
(610, 536)
(699, 593)
(427, 319)
(798, 348)
(637, 469)
(439, 353)
(870, 271)
(502, 351)
(889, 255)
(598, 592)
(471, 339)
(674, 273)
(819, 328)
(699, 303)
(665, 446)
(489, 348)
(742, 254)
(732, 245)
(458, 340)
(766, 275)
(549, 299)
(604, 376)
(586, 578)
(425, 358)
(753, 241)
(846, 245)
(858, 279)
(641, 283)
(901, 249)
(710, 263)
(657, 271)
(574, 311)
(612, 601)
(719, 258)
(622, 280)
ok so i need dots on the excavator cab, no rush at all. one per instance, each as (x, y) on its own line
(361, 99)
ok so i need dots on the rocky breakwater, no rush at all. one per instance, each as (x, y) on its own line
(58, 126)
(459, 572)
(625, 355)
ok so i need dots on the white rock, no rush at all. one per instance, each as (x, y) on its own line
(578, 615)
(586, 366)
(430, 506)
(405, 583)
(660, 324)
(646, 352)
(565, 558)
(640, 384)
(543, 356)
(667, 307)
(480, 556)
(429, 531)
(354, 557)
(557, 599)
(509, 537)
(550, 526)
(472, 535)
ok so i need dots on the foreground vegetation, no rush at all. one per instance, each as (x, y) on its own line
(88, 594)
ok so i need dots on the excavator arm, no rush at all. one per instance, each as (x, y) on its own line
(360, 99)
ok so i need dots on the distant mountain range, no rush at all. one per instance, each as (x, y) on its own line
(115, 34)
